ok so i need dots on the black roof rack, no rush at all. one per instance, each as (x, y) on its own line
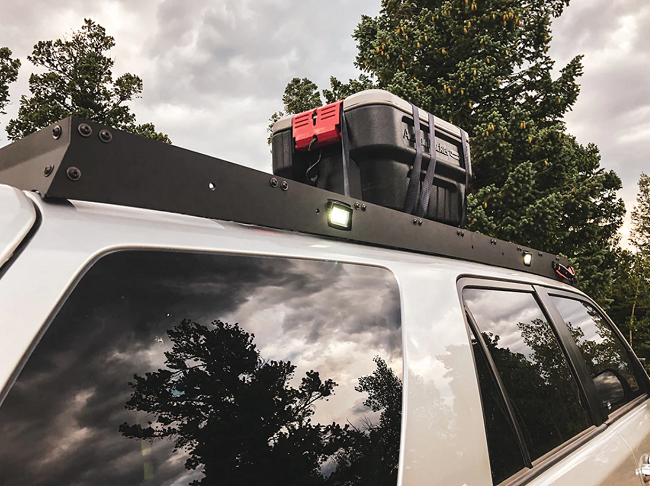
(81, 160)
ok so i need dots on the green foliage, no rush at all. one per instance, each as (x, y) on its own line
(339, 90)
(630, 309)
(299, 95)
(79, 81)
(8, 74)
(240, 419)
(640, 234)
(484, 65)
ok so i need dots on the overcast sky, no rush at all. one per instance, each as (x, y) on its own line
(214, 71)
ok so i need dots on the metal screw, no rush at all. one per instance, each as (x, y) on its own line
(56, 132)
(273, 182)
(105, 136)
(47, 171)
(363, 207)
(284, 186)
(357, 205)
(85, 130)
(74, 174)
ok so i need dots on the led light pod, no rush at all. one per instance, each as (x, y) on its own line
(339, 215)
(528, 258)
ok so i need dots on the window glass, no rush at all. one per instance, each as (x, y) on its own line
(505, 455)
(532, 366)
(169, 368)
(606, 358)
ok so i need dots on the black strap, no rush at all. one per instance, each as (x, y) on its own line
(468, 170)
(345, 154)
(414, 181)
(427, 185)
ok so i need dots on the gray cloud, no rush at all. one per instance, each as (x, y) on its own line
(214, 72)
(613, 109)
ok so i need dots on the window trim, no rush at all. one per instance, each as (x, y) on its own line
(639, 372)
(575, 358)
(554, 456)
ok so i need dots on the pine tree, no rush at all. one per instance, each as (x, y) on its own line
(79, 81)
(484, 65)
(631, 289)
(640, 234)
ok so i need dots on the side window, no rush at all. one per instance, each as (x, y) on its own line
(606, 358)
(532, 367)
(192, 368)
(505, 454)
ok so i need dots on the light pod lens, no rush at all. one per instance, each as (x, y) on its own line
(339, 215)
(528, 259)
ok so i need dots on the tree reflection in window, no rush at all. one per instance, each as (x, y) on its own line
(241, 422)
(290, 394)
(532, 366)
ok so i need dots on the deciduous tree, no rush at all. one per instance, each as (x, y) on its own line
(8, 74)
(79, 81)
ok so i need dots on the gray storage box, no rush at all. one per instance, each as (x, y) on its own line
(381, 136)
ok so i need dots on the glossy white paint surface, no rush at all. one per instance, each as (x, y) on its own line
(605, 460)
(634, 428)
(443, 438)
(17, 216)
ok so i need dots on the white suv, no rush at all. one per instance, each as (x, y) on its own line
(261, 345)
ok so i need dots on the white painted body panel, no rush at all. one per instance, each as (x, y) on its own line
(605, 460)
(443, 437)
(634, 428)
(17, 216)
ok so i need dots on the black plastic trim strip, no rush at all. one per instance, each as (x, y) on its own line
(471, 322)
(639, 371)
(574, 357)
(143, 173)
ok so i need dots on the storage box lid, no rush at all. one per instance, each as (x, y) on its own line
(379, 97)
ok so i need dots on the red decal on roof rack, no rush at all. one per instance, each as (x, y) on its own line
(323, 123)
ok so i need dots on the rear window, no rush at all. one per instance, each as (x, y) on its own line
(532, 366)
(169, 368)
(607, 360)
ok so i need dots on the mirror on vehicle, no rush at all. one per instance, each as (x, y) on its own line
(609, 388)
